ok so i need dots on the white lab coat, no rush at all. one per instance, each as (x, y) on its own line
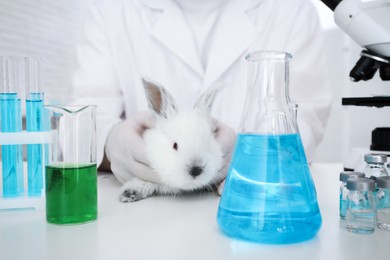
(127, 39)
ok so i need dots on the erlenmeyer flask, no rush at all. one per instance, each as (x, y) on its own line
(269, 195)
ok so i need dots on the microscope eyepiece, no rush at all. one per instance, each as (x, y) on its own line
(332, 4)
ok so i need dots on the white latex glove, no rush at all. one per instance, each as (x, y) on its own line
(125, 148)
(226, 138)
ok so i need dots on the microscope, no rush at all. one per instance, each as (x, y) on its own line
(367, 22)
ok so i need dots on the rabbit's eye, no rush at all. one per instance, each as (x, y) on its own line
(175, 146)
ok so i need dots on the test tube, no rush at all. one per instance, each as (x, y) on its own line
(34, 123)
(11, 121)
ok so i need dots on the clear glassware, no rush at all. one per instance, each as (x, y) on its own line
(11, 122)
(71, 173)
(269, 195)
(35, 122)
(383, 203)
(375, 165)
(344, 177)
(360, 217)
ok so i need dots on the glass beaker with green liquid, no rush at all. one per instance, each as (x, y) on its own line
(71, 173)
(269, 195)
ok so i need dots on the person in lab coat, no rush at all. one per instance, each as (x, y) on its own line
(186, 46)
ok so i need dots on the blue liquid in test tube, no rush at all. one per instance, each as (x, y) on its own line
(11, 121)
(34, 114)
(34, 123)
(12, 157)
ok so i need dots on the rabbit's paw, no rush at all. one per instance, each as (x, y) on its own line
(135, 190)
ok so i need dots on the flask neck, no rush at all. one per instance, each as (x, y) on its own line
(268, 109)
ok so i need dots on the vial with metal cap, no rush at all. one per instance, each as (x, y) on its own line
(344, 176)
(375, 165)
(360, 216)
(383, 203)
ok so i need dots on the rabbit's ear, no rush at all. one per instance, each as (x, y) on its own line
(160, 102)
(206, 100)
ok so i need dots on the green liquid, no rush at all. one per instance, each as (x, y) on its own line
(71, 194)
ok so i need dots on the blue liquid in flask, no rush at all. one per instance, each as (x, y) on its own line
(269, 196)
(34, 123)
(12, 155)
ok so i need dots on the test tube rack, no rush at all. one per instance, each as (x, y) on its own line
(24, 201)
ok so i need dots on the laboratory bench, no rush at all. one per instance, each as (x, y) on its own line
(178, 227)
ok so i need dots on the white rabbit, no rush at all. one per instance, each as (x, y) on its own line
(182, 149)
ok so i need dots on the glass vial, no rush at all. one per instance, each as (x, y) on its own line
(383, 203)
(11, 121)
(344, 176)
(375, 165)
(360, 217)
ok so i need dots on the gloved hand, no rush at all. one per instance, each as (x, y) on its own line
(125, 148)
(226, 138)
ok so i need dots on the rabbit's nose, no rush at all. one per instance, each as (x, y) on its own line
(195, 171)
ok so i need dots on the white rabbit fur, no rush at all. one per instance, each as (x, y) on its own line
(182, 149)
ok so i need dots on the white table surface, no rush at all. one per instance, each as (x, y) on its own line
(181, 227)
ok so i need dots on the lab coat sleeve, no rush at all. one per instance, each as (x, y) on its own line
(95, 81)
(309, 86)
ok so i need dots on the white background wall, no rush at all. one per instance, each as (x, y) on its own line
(49, 29)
